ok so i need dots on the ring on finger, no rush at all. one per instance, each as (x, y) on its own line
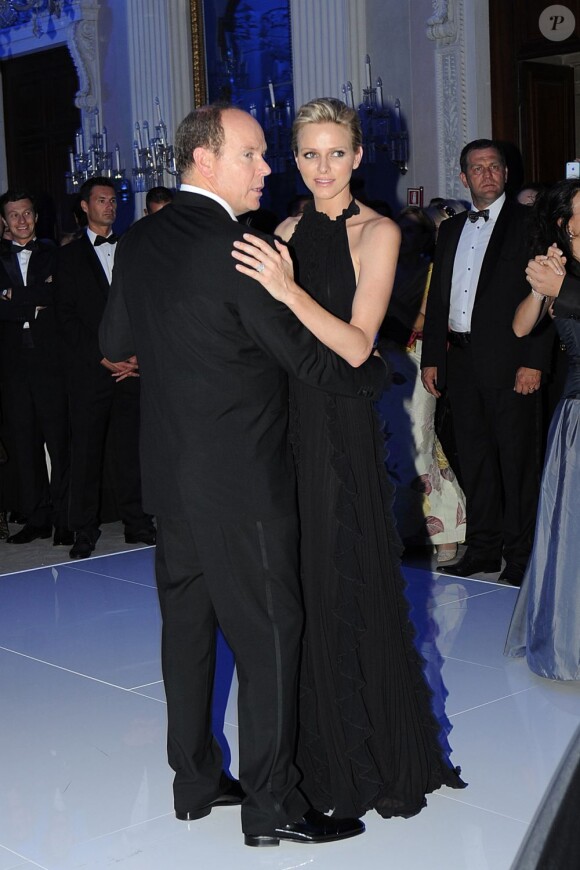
(260, 267)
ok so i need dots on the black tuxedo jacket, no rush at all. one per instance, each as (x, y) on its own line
(21, 308)
(80, 301)
(214, 350)
(497, 351)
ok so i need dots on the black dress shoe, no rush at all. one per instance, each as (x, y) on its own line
(512, 575)
(29, 533)
(84, 544)
(469, 565)
(63, 536)
(145, 536)
(232, 795)
(313, 827)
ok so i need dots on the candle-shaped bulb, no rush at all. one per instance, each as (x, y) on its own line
(105, 144)
(368, 71)
(379, 87)
(97, 123)
(71, 160)
(117, 158)
(158, 105)
(272, 96)
(350, 95)
(146, 133)
(138, 141)
(79, 144)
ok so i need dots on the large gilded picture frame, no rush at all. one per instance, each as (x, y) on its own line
(198, 52)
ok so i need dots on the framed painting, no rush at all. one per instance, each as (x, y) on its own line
(242, 53)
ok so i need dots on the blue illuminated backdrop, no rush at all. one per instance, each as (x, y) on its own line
(249, 63)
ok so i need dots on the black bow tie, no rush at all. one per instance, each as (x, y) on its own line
(100, 240)
(29, 246)
(475, 215)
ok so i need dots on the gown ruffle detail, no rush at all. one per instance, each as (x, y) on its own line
(368, 737)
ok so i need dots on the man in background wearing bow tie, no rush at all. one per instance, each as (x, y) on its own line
(493, 378)
(104, 396)
(32, 373)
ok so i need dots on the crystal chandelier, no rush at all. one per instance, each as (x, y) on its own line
(153, 156)
(276, 117)
(15, 12)
(382, 125)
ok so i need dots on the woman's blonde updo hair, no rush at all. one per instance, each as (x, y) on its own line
(327, 110)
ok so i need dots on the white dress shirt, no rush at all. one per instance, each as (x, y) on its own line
(23, 258)
(469, 256)
(105, 253)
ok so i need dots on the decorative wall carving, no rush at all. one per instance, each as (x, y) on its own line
(442, 26)
(446, 29)
(82, 41)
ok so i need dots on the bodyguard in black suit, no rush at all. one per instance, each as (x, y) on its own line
(104, 396)
(32, 372)
(491, 376)
(214, 350)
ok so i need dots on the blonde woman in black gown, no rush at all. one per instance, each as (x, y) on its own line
(368, 737)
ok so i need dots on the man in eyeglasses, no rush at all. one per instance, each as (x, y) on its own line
(493, 378)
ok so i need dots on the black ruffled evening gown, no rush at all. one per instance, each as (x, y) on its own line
(367, 736)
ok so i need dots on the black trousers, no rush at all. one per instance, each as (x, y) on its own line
(36, 407)
(98, 408)
(497, 435)
(244, 577)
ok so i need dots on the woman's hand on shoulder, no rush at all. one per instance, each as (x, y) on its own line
(273, 269)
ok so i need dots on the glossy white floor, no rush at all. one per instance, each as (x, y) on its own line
(83, 776)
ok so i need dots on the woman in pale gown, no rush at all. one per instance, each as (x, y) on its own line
(545, 626)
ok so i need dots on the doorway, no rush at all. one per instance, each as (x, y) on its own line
(533, 88)
(41, 118)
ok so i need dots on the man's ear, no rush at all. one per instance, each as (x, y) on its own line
(203, 159)
(84, 206)
(463, 178)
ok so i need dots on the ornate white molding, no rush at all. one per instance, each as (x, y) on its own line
(447, 30)
(82, 41)
(452, 120)
(442, 25)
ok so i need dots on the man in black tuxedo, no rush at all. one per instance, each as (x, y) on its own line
(492, 377)
(214, 350)
(104, 396)
(32, 372)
